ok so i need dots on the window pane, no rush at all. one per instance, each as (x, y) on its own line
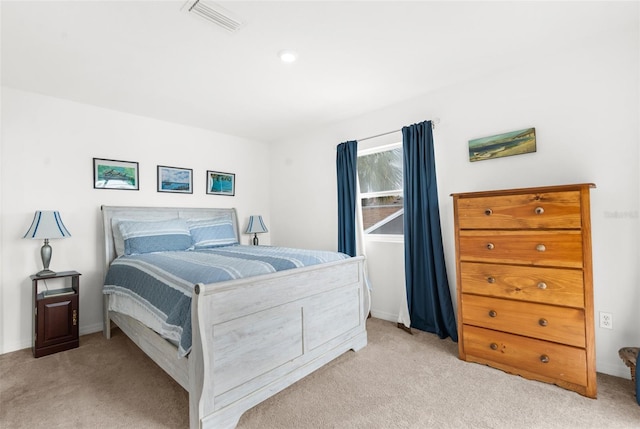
(380, 171)
(394, 226)
(379, 211)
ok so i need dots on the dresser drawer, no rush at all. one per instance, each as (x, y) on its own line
(539, 248)
(550, 360)
(528, 210)
(544, 285)
(560, 324)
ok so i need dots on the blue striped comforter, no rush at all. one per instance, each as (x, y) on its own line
(162, 283)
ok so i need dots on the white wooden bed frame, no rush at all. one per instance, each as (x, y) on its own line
(251, 337)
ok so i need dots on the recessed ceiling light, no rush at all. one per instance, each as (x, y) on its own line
(287, 56)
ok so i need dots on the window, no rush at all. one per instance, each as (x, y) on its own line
(381, 181)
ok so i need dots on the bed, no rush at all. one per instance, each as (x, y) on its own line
(250, 337)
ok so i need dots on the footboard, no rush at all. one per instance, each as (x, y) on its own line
(253, 338)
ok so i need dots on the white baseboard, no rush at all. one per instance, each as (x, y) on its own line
(27, 344)
(90, 329)
(24, 344)
(620, 370)
(384, 315)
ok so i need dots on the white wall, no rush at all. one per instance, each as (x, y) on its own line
(584, 105)
(46, 163)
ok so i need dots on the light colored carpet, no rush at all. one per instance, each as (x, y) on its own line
(397, 381)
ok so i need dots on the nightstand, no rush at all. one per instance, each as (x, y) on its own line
(56, 315)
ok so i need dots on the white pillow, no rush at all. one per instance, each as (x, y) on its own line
(118, 241)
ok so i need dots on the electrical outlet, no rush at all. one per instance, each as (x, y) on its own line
(606, 320)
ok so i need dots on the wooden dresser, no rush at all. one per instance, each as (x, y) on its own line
(525, 284)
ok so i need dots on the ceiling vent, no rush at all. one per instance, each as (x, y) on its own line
(213, 12)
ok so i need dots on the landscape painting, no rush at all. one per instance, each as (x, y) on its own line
(221, 183)
(112, 174)
(174, 179)
(501, 145)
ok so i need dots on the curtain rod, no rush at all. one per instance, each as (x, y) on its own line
(434, 122)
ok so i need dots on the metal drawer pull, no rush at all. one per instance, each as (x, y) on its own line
(544, 359)
(488, 212)
(541, 248)
(494, 346)
(491, 280)
(490, 246)
(492, 313)
(539, 210)
(542, 285)
(543, 322)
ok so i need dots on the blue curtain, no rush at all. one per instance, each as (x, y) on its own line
(346, 163)
(428, 295)
(637, 387)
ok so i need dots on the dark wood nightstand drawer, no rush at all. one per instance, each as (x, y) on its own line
(57, 320)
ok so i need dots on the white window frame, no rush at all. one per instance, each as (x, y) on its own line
(383, 238)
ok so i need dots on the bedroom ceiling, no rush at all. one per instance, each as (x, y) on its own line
(152, 58)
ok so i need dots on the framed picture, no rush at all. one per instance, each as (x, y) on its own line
(174, 179)
(112, 174)
(501, 145)
(219, 183)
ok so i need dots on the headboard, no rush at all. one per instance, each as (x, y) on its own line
(155, 213)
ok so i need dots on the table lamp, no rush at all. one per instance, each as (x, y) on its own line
(256, 226)
(46, 225)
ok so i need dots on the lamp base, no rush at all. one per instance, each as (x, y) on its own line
(255, 239)
(45, 273)
(45, 253)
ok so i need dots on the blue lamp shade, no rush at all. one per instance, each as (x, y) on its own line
(256, 226)
(46, 225)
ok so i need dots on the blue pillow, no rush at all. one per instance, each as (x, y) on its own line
(155, 236)
(212, 232)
